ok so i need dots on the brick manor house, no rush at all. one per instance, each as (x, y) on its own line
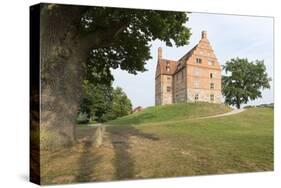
(194, 77)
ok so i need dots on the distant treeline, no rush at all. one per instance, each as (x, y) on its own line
(270, 105)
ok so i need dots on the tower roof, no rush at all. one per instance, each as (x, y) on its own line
(166, 66)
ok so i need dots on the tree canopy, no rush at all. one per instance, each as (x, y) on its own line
(129, 47)
(244, 81)
(79, 43)
(102, 102)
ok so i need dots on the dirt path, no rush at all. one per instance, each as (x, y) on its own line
(235, 111)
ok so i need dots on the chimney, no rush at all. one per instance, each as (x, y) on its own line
(204, 35)
(159, 53)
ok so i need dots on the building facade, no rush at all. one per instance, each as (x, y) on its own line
(194, 77)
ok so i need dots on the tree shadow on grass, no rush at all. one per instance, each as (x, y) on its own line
(123, 161)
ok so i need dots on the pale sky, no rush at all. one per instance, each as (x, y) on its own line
(231, 36)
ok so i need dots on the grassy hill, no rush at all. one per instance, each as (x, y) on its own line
(139, 149)
(237, 143)
(172, 112)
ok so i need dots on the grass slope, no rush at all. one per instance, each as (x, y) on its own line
(230, 144)
(172, 112)
(238, 143)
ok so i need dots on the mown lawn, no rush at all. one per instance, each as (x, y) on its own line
(172, 112)
(230, 144)
(237, 143)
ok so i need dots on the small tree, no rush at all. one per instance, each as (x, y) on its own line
(121, 104)
(97, 100)
(244, 81)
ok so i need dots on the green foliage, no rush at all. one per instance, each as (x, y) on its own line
(121, 105)
(82, 118)
(96, 101)
(244, 81)
(129, 47)
(101, 103)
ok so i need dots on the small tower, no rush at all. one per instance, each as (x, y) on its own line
(164, 80)
(159, 53)
(204, 35)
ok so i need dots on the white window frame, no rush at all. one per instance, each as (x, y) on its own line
(198, 61)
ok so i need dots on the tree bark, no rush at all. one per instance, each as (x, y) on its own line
(64, 52)
(61, 74)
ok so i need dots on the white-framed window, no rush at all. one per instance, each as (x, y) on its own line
(198, 61)
(212, 85)
(212, 97)
(196, 84)
(196, 97)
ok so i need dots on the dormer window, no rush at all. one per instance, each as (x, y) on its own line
(168, 69)
(198, 61)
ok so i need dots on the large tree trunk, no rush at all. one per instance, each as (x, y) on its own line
(63, 54)
(61, 74)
